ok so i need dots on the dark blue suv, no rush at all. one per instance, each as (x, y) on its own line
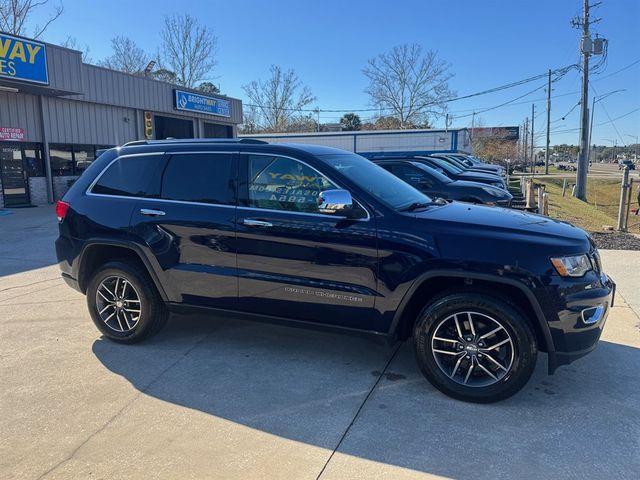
(319, 236)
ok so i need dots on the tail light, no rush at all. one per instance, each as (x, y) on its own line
(61, 210)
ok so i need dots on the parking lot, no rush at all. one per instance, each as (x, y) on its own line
(222, 398)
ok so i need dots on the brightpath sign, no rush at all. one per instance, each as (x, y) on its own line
(194, 102)
(23, 60)
(9, 133)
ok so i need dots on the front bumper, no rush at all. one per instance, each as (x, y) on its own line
(581, 321)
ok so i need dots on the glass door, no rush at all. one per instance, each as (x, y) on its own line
(14, 177)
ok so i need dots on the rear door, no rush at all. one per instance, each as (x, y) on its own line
(190, 227)
(295, 262)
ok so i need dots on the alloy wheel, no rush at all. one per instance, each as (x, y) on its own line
(118, 304)
(473, 349)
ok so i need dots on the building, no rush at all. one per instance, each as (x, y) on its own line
(381, 142)
(56, 111)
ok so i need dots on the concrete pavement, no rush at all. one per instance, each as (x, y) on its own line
(222, 398)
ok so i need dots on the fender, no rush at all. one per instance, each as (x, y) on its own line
(539, 315)
(130, 246)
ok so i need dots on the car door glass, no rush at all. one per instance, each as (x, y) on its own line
(129, 176)
(201, 178)
(412, 176)
(280, 183)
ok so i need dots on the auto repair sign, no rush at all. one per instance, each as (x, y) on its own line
(9, 133)
(23, 60)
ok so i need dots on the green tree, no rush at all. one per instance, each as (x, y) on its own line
(350, 122)
(208, 87)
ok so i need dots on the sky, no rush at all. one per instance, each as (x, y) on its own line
(487, 43)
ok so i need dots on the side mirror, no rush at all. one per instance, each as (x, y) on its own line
(338, 202)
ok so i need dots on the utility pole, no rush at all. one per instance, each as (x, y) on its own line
(533, 159)
(546, 150)
(526, 141)
(583, 161)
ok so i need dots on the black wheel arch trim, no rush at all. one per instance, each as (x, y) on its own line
(539, 315)
(123, 244)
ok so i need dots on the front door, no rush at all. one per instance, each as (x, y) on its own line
(294, 262)
(14, 177)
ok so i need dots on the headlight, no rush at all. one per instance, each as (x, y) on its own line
(574, 266)
(492, 191)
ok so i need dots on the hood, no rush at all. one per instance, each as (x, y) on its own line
(470, 175)
(504, 224)
(471, 186)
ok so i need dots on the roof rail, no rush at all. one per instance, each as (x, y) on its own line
(195, 140)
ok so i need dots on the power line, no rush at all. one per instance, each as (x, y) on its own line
(618, 71)
(560, 72)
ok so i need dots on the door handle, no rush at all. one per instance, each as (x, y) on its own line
(256, 223)
(151, 212)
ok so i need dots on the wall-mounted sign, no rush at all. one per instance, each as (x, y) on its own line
(9, 133)
(23, 60)
(194, 102)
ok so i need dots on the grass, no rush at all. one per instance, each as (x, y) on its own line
(600, 209)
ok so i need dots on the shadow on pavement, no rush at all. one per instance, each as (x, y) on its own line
(307, 386)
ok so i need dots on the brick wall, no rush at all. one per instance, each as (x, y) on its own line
(61, 185)
(38, 190)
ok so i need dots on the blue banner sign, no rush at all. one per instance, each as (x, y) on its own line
(194, 102)
(23, 60)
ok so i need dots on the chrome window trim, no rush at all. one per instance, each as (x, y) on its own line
(337, 184)
(88, 192)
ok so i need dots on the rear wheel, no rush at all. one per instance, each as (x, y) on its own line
(474, 346)
(124, 304)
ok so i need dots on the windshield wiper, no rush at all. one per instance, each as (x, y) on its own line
(415, 206)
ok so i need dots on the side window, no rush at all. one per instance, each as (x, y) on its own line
(280, 183)
(412, 176)
(200, 177)
(129, 176)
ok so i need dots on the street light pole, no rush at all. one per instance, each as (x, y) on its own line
(593, 106)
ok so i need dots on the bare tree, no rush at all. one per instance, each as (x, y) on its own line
(188, 48)
(127, 56)
(412, 84)
(279, 99)
(72, 43)
(164, 75)
(15, 15)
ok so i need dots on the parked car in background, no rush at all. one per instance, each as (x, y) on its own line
(318, 236)
(437, 185)
(456, 173)
(622, 164)
(470, 163)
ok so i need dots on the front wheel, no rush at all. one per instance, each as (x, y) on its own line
(474, 347)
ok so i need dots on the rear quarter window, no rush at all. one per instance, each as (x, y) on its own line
(129, 176)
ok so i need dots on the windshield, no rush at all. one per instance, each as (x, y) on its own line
(446, 166)
(441, 177)
(380, 183)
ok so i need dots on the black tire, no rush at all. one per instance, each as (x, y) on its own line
(153, 314)
(518, 351)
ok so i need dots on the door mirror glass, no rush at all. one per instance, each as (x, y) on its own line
(337, 201)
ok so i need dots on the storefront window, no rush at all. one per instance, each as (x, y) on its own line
(61, 159)
(34, 161)
(83, 156)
